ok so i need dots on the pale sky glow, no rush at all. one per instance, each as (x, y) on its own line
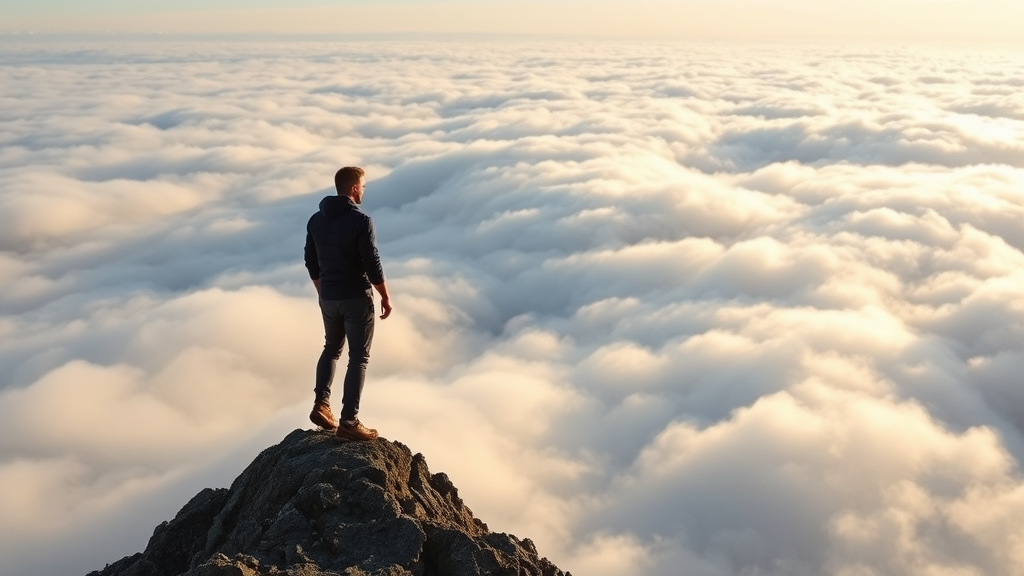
(794, 20)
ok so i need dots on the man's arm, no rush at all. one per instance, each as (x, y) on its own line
(367, 243)
(310, 259)
(385, 299)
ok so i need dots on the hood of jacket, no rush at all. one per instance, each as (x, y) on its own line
(334, 206)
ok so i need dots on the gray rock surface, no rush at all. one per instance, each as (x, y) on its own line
(315, 506)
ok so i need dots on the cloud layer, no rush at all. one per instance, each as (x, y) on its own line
(707, 309)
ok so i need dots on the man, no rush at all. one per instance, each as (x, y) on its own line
(341, 256)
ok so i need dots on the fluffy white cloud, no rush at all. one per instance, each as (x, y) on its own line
(662, 308)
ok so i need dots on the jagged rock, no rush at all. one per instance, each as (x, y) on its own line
(313, 506)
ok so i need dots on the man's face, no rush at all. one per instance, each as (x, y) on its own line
(357, 191)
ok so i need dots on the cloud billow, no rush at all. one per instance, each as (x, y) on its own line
(664, 308)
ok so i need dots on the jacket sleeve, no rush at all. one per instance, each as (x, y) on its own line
(369, 255)
(312, 264)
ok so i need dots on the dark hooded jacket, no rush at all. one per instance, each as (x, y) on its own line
(341, 250)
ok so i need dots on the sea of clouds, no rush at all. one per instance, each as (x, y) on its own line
(699, 309)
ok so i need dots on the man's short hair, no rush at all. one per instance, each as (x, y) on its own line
(346, 178)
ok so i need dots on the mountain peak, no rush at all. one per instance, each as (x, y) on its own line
(313, 506)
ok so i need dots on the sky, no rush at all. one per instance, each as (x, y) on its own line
(991, 21)
(713, 308)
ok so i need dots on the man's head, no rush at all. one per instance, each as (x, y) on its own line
(349, 182)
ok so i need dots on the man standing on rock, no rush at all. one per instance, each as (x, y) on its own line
(341, 256)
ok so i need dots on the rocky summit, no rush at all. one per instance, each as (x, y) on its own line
(314, 506)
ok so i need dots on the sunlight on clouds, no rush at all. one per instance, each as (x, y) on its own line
(712, 309)
(29, 489)
(85, 396)
(41, 210)
(622, 366)
(841, 460)
(464, 427)
(534, 344)
(612, 555)
(256, 323)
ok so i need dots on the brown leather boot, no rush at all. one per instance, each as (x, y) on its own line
(354, 431)
(322, 416)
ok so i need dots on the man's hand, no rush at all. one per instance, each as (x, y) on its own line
(316, 284)
(385, 299)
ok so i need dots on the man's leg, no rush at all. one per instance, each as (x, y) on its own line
(359, 322)
(334, 339)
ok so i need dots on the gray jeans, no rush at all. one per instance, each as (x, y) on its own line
(350, 320)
